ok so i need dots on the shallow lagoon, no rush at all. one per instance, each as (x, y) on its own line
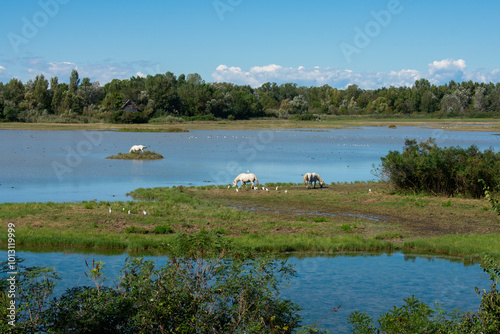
(370, 283)
(41, 166)
(71, 166)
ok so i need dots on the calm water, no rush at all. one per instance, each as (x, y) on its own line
(61, 166)
(368, 283)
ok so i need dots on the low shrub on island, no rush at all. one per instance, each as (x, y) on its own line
(146, 155)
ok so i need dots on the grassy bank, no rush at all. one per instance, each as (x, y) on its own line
(340, 217)
(154, 129)
(327, 122)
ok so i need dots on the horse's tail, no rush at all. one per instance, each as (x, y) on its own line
(256, 180)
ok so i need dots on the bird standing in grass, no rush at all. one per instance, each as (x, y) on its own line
(109, 210)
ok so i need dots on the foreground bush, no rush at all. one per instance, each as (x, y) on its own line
(205, 287)
(424, 167)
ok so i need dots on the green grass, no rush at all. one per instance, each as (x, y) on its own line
(342, 217)
(468, 246)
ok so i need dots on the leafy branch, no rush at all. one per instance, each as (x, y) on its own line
(495, 202)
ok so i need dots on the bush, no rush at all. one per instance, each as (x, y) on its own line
(206, 286)
(128, 117)
(304, 117)
(417, 317)
(424, 167)
(163, 229)
(135, 229)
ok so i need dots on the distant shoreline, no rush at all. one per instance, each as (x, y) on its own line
(449, 124)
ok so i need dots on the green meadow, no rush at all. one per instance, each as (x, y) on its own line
(341, 217)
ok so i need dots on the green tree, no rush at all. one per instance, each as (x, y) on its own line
(428, 102)
(58, 93)
(41, 92)
(13, 92)
(244, 105)
(162, 91)
(74, 81)
(112, 101)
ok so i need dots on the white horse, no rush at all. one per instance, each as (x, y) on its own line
(244, 178)
(309, 178)
(137, 148)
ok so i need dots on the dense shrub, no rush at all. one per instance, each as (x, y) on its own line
(128, 117)
(424, 167)
(303, 117)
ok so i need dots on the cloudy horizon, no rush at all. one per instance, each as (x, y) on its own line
(372, 44)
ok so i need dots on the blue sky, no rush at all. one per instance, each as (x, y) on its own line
(368, 43)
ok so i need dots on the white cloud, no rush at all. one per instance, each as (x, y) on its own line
(447, 65)
(29, 67)
(264, 69)
(439, 72)
(5, 76)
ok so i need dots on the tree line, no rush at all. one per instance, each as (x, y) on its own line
(189, 96)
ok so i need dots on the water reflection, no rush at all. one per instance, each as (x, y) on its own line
(371, 283)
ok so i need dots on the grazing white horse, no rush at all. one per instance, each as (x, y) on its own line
(244, 178)
(309, 178)
(137, 148)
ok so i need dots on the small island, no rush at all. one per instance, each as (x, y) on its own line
(146, 155)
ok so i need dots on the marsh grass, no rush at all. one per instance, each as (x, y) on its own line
(458, 245)
(339, 217)
(146, 155)
(154, 129)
